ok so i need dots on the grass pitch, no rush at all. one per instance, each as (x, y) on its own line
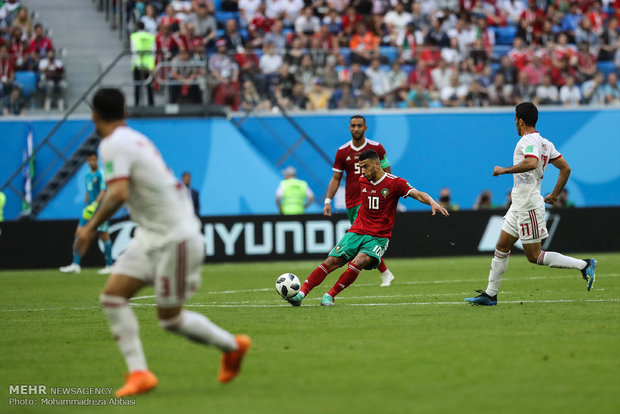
(415, 347)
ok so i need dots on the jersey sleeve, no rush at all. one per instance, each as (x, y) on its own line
(116, 161)
(530, 149)
(402, 187)
(554, 154)
(339, 161)
(383, 157)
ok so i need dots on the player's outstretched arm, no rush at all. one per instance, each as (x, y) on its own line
(334, 183)
(423, 197)
(528, 164)
(562, 165)
(117, 194)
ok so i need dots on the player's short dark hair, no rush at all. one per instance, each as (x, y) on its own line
(358, 117)
(109, 103)
(527, 112)
(369, 155)
(91, 153)
(140, 25)
(186, 173)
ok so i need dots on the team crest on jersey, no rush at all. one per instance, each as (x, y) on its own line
(109, 167)
(385, 192)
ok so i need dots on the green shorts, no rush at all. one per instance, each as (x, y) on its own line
(352, 243)
(352, 213)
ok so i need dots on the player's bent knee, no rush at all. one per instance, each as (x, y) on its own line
(171, 324)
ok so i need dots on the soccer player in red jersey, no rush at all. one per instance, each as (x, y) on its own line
(368, 238)
(347, 159)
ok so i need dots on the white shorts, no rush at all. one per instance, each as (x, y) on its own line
(527, 225)
(174, 269)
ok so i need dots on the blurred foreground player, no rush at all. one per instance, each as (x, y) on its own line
(167, 249)
(525, 218)
(368, 238)
(347, 160)
(95, 191)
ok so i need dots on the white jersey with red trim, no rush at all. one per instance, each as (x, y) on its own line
(157, 201)
(526, 190)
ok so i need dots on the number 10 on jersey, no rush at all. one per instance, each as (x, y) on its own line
(373, 203)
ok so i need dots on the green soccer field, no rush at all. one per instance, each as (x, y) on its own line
(415, 347)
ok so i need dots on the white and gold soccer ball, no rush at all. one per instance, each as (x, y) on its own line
(287, 285)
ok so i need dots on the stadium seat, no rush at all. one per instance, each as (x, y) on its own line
(607, 67)
(499, 51)
(27, 81)
(223, 16)
(391, 53)
(505, 35)
(346, 52)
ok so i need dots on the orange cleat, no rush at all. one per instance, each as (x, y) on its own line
(136, 383)
(231, 361)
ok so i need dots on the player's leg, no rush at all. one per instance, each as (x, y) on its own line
(181, 264)
(129, 275)
(318, 275)
(75, 267)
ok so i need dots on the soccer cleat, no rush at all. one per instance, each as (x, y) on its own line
(72, 268)
(231, 361)
(386, 278)
(105, 271)
(483, 299)
(296, 300)
(327, 300)
(136, 383)
(588, 272)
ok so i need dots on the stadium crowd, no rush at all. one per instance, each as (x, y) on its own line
(393, 53)
(28, 61)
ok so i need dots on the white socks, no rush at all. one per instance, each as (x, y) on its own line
(553, 259)
(499, 264)
(199, 328)
(124, 327)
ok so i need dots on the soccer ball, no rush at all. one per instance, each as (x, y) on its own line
(287, 285)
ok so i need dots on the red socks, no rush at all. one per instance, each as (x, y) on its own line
(382, 266)
(346, 279)
(316, 278)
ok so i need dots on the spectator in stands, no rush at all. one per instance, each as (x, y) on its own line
(306, 72)
(508, 71)
(13, 103)
(299, 99)
(485, 34)
(307, 24)
(500, 92)
(40, 43)
(478, 55)
(366, 98)
(610, 40)
(451, 54)
(563, 201)
(357, 78)
(586, 62)
(276, 38)
(234, 41)
(596, 17)
(570, 95)
(534, 70)
(397, 20)
(397, 79)
(546, 92)
(378, 78)
(182, 9)
(420, 19)
(167, 44)
(477, 96)
(523, 91)
(290, 11)
(286, 80)
(612, 90)
(418, 97)
(9, 11)
(259, 25)
(7, 71)
(483, 201)
(225, 77)
(273, 9)
(329, 74)
(247, 10)
(186, 77)
(270, 63)
(251, 100)
(230, 5)
(445, 200)
(143, 49)
(53, 80)
(170, 19)
(454, 94)
(422, 75)
(23, 22)
(442, 73)
(18, 49)
(364, 45)
(513, 9)
(571, 19)
(248, 63)
(466, 74)
(318, 53)
(150, 19)
(318, 97)
(437, 36)
(593, 90)
(519, 54)
(192, 193)
(205, 26)
(343, 98)
(585, 33)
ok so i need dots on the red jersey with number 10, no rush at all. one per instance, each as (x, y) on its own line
(379, 202)
(347, 160)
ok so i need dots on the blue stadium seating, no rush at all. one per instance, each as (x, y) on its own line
(499, 51)
(607, 67)
(391, 53)
(223, 16)
(27, 81)
(505, 35)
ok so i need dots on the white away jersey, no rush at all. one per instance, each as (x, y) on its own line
(157, 202)
(526, 190)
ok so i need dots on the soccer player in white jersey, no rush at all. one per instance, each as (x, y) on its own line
(167, 249)
(525, 218)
